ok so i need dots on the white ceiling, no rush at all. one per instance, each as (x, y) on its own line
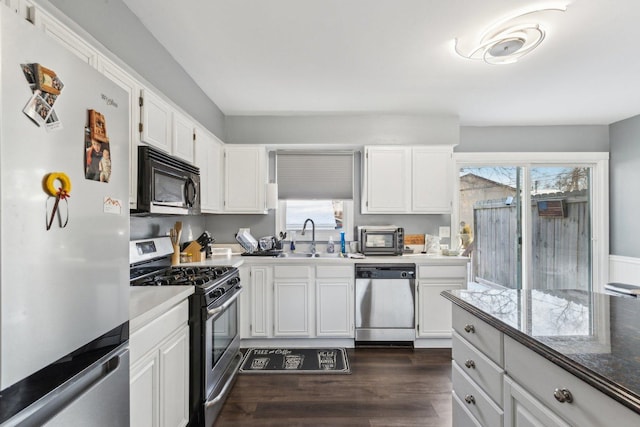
(396, 56)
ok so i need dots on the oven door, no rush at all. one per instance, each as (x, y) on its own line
(222, 352)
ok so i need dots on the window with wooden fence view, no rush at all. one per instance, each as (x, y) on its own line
(558, 203)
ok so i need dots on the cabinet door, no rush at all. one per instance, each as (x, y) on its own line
(431, 180)
(521, 409)
(259, 301)
(387, 178)
(434, 311)
(145, 391)
(334, 308)
(156, 121)
(291, 309)
(174, 380)
(208, 157)
(183, 137)
(245, 179)
(67, 38)
(132, 87)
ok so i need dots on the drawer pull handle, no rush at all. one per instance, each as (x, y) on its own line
(469, 329)
(470, 399)
(470, 364)
(563, 395)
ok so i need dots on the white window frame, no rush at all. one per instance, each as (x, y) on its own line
(599, 164)
(321, 235)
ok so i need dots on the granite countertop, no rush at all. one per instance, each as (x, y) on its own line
(593, 336)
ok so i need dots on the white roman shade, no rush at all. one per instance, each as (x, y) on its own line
(314, 175)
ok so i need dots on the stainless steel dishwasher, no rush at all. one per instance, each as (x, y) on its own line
(385, 301)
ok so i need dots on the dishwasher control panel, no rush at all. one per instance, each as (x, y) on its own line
(385, 271)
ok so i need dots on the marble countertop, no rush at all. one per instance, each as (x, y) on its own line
(148, 302)
(593, 336)
(238, 260)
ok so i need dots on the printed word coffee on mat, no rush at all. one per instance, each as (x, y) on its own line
(296, 361)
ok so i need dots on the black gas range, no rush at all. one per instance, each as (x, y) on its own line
(213, 321)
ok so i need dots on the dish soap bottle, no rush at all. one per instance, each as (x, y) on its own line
(292, 246)
(343, 247)
(330, 248)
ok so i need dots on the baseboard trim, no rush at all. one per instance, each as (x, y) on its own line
(624, 269)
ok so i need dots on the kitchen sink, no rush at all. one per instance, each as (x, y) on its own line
(308, 255)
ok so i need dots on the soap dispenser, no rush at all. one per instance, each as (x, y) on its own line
(330, 247)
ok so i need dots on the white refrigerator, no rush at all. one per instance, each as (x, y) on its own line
(64, 235)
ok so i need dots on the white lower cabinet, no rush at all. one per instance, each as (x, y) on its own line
(297, 301)
(498, 381)
(291, 301)
(334, 301)
(434, 312)
(521, 409)
(159, 384)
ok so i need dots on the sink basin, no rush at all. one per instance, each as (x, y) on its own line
(308, 255)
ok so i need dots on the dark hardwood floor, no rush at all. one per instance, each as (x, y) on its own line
(386, 387)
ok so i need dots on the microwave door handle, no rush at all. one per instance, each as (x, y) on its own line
(190, 200)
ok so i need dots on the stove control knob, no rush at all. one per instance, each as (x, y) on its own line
(234, 281)
(218, 293)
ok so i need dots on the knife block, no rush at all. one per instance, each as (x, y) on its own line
(197, 254)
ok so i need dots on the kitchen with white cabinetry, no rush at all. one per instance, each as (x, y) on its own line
(405, 173)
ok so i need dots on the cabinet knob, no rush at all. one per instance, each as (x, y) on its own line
(470, 364)
(470, 399)
(563, 395)
(469, 328)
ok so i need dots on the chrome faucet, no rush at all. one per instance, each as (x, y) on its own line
(313, 234)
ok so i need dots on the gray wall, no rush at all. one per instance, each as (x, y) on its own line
(624, 199)
(112, 24)
(350, 129)
(533, 138)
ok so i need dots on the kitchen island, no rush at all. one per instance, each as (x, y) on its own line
(559, 357)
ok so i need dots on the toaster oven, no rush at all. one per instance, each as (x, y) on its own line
(381, 240)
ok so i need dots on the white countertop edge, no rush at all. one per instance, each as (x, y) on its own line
(148, 302)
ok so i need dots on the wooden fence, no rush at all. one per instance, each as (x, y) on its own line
(561, 245)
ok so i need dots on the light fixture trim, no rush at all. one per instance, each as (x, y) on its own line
(508, 40)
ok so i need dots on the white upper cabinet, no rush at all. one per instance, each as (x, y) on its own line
(407, 180)
(245, 170)
(70, 40)
(208, 157)
(132, 87)
(183, 137)
(156, 117)
(431, 179)
(387, 180)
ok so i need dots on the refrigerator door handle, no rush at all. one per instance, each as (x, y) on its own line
(74, 399)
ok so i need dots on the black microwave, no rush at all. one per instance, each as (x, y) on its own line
(381, 240)
(166, 185)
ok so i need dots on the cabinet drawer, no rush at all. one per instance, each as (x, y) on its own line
(461, 415)
(442, 271)
(480, 334)
(150, 335)
(479, 367)
(292, 272)
(540, 377)
(474, 399)
(341, 271)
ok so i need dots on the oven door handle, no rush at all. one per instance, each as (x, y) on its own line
(223, 392)
(224, 306)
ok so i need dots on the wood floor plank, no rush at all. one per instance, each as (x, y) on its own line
(387, 387)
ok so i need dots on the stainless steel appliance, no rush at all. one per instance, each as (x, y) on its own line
(166, 185)
(381, 240)
(385, 301)
(64, 305)
(213, 322)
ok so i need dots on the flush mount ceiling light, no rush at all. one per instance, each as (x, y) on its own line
(508, 40)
